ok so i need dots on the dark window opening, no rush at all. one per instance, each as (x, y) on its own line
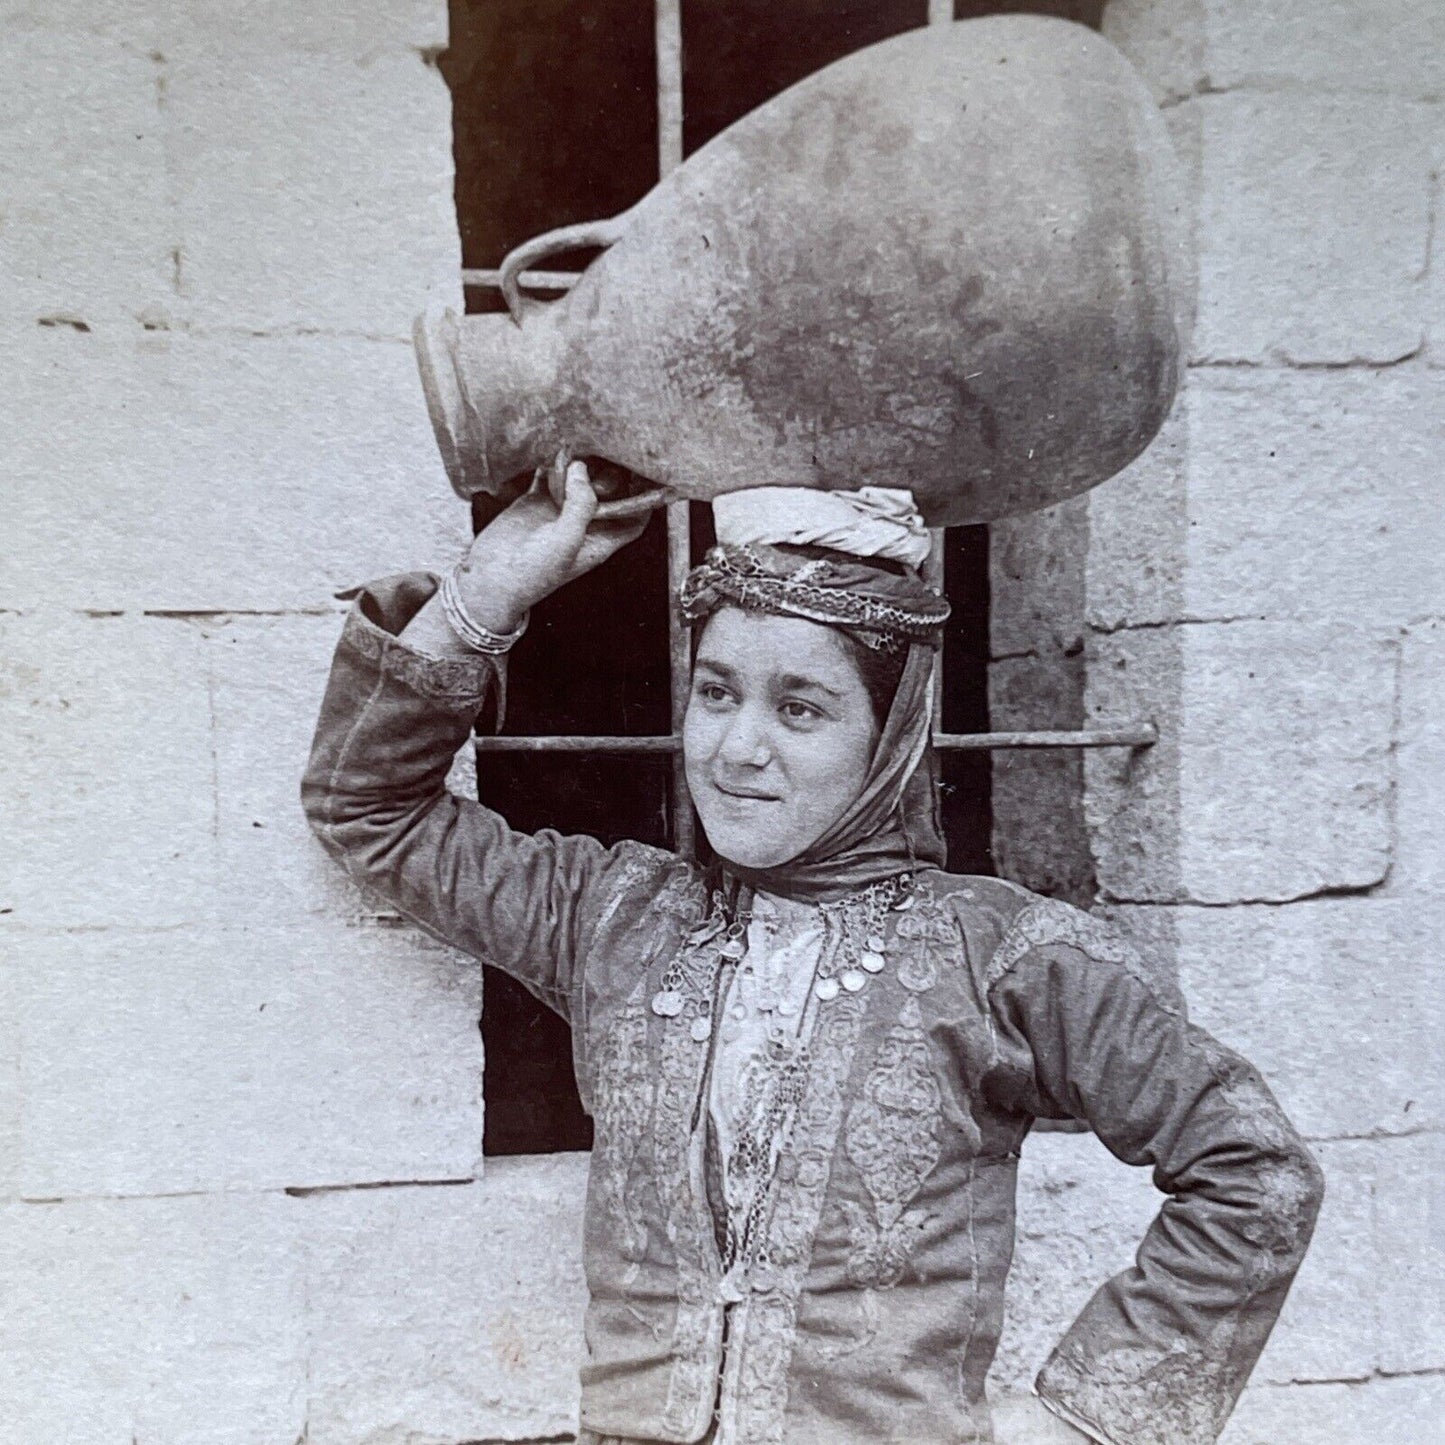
(555, 122)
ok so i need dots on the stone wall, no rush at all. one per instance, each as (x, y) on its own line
(1266, 584)
(216, 221)
(241, 1200)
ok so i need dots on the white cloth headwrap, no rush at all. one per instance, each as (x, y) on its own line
(871, 522)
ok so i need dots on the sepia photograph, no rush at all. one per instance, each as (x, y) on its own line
(722, 722)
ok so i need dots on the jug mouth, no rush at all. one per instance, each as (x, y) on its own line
(434, 340)
(462, 435)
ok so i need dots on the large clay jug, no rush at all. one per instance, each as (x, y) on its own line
(951, 261)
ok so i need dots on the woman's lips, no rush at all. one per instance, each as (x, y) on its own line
(744, 795)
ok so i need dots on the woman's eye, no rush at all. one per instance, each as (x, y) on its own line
(713, 692)
(794, 711)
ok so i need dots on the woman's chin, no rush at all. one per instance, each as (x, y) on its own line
(745, 849)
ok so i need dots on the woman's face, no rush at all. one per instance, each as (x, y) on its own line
(778, 736)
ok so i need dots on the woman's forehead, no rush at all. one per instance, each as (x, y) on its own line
(762, 646)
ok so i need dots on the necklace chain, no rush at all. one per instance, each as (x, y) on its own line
(774, 1081)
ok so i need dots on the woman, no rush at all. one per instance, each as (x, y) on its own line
(811, 1066)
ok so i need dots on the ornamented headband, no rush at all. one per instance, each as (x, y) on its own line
(887, 609)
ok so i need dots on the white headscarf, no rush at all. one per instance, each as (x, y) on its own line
(870, 522)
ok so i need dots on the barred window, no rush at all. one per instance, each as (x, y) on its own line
(567, 111)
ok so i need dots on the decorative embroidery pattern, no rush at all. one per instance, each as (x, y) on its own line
(623, 1093)
(697, 1332)
(682, 895)
(1049, 921)
(1288, 1185)
(931, 941)
(461, 681)
(1180, 1396)
(892, 1140)
(636, 870)
(759, 1395)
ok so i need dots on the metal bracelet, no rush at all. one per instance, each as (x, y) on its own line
(466, 627)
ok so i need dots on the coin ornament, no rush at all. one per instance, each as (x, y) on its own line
(852, 979)
(690, 978)
(826, 989)
(871, 960)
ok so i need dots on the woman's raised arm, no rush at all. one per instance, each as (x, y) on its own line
(401, 699)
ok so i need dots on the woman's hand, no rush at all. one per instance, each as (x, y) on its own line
(536, 546)
(523, 555)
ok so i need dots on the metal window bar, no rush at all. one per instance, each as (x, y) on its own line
(679, 522)
(1121, 735)
(668, 23)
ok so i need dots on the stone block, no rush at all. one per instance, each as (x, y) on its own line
(1317, 495)
(1326, 1414)
(163, 1321)
(357, 27)
(449, 1313)
(1081, 1215)
(1309, 494)
(1391, 46)
(1036, 579)
(86, 234)
(267, 675)
(109, 796)
(9, 1086)
(1039, 837)
(1335, 1000)
(1285, 785)
(160, 1062)
(1409, 1256)
(1272, 777)
(1132, 797)
(1420, 764)
(1165, 43)
(1313, 224)
(178, 472)
(346, 26)
(1435, 279)
(1138, 526)
(315, 191)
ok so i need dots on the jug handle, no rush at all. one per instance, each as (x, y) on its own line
(584, 235)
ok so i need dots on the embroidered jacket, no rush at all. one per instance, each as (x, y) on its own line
(878, 1308)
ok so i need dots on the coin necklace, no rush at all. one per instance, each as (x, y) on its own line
(861, 932)
(686, 985)
(686, 990)
(776, 1086)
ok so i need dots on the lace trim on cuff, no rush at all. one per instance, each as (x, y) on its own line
(461, 680)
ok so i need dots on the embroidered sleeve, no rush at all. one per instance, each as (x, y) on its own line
(375, 794)
(1161, 1352)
